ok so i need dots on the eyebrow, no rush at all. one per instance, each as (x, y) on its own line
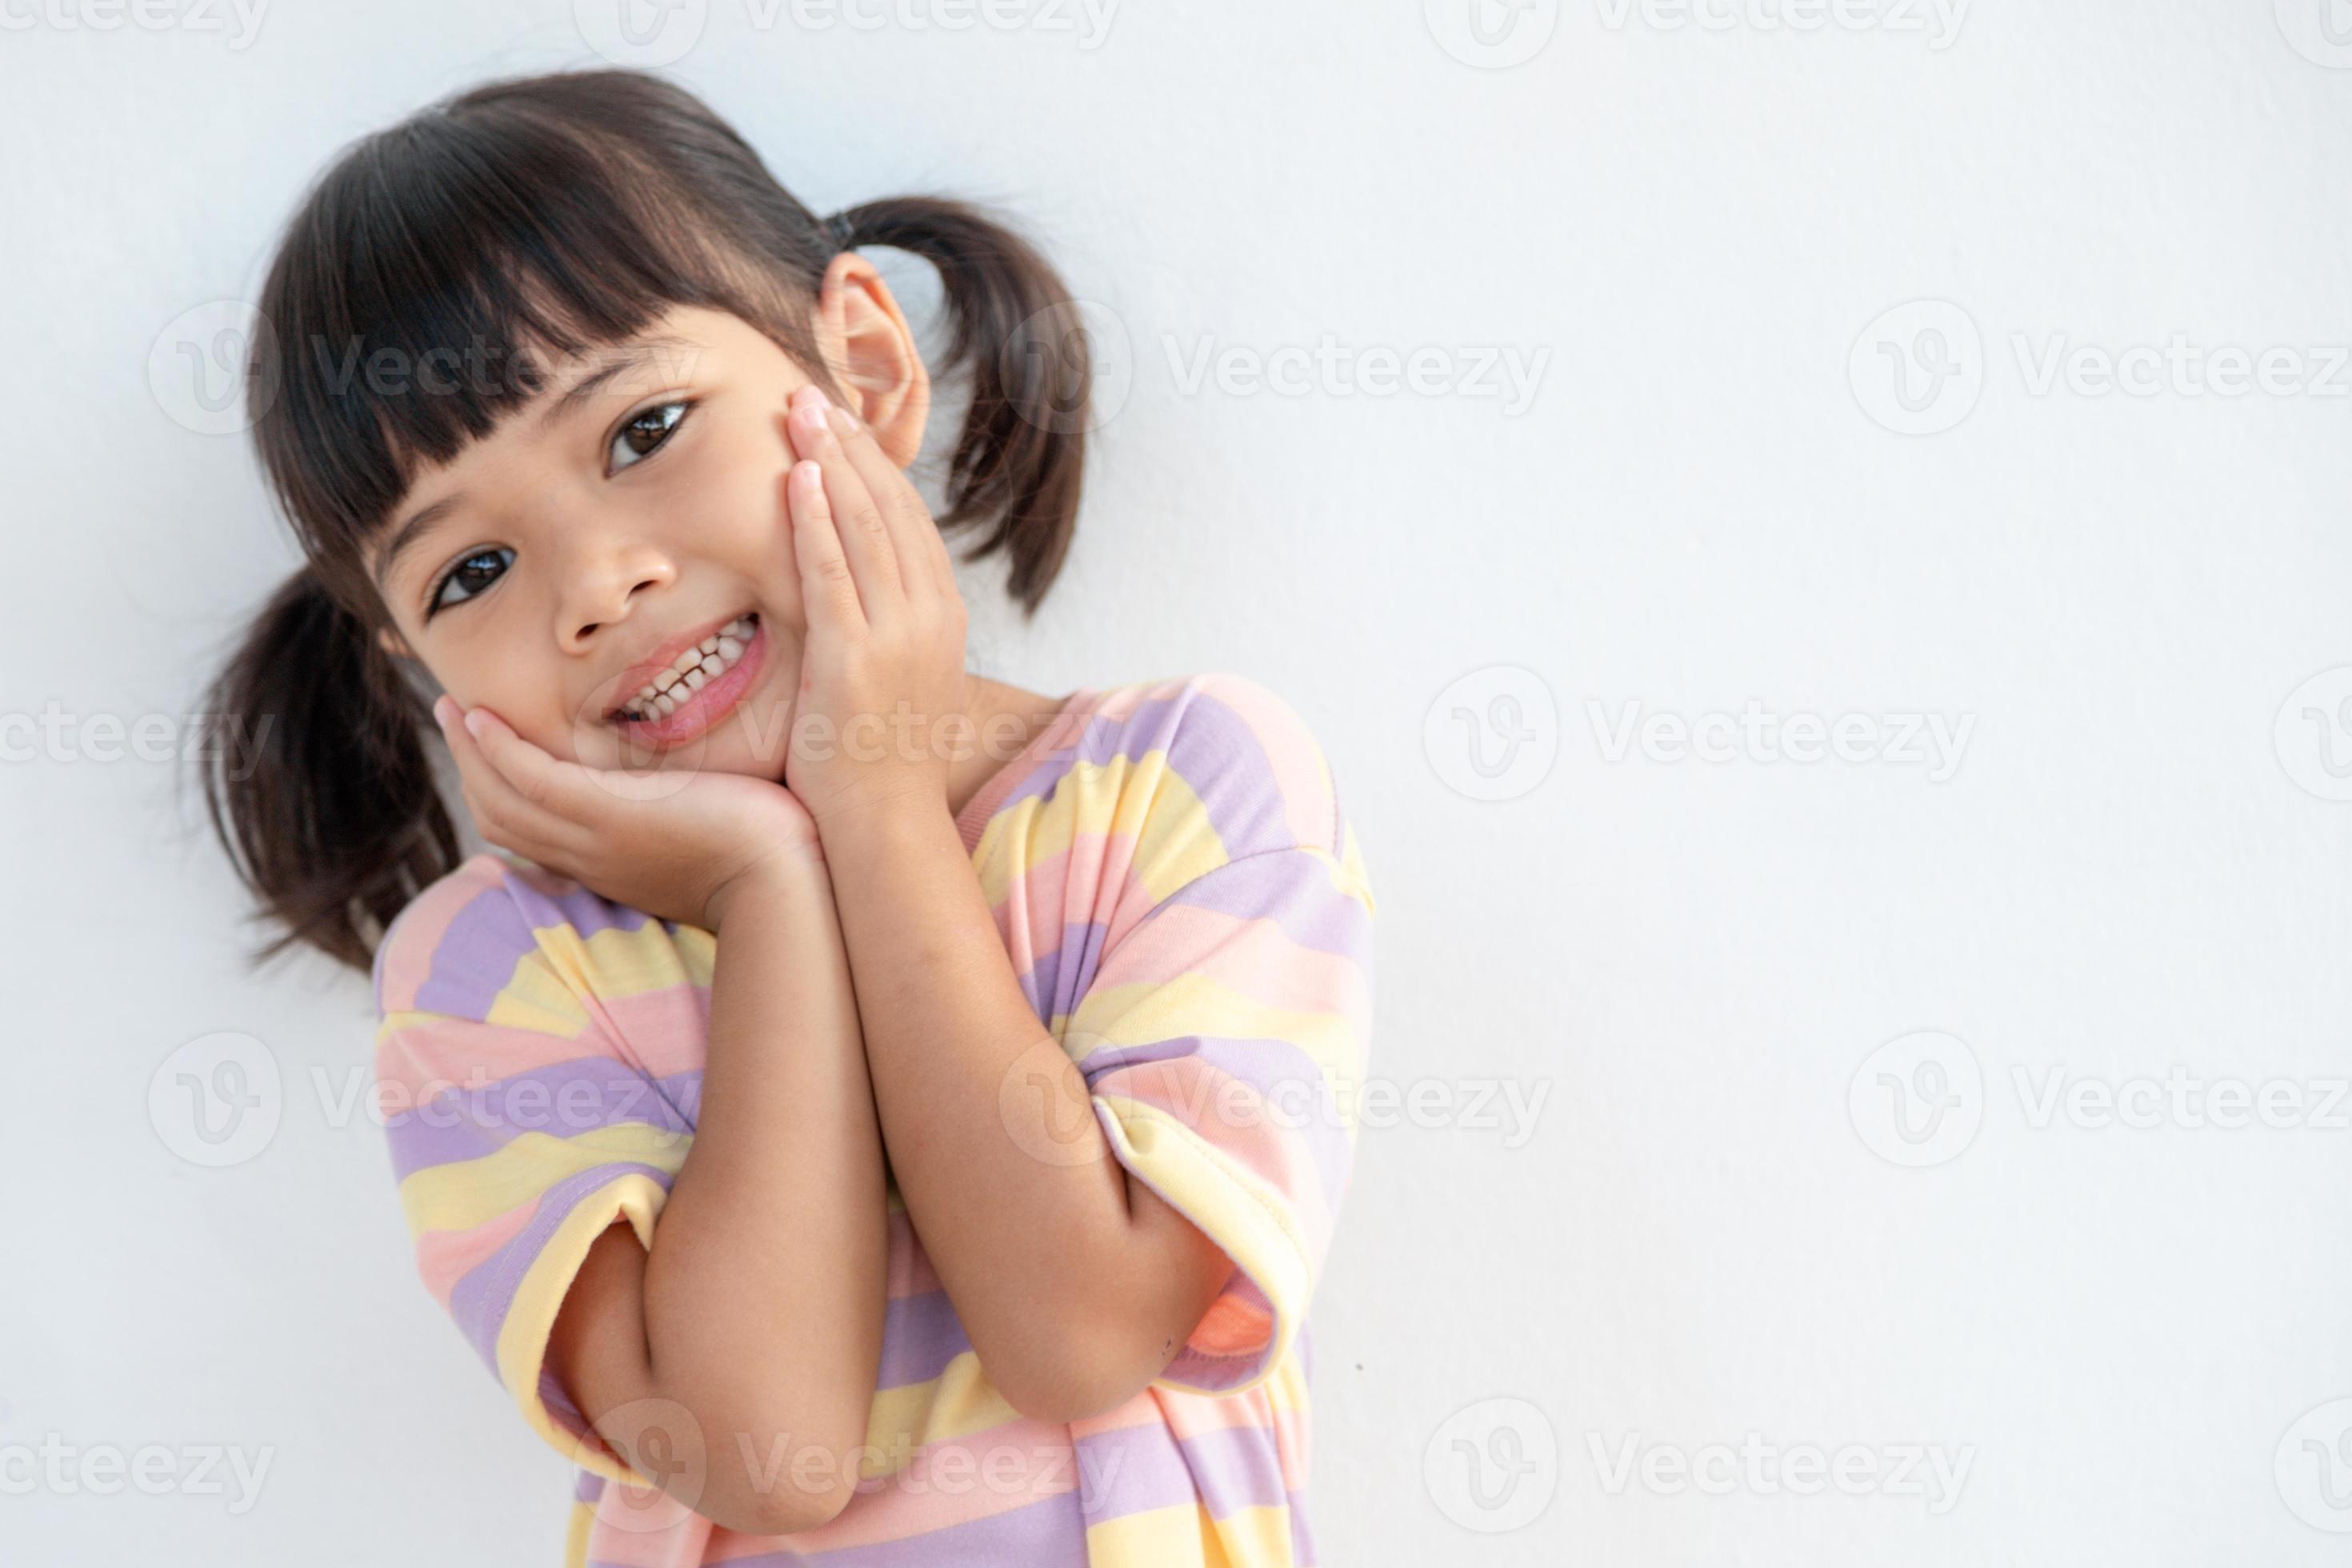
(628, 356)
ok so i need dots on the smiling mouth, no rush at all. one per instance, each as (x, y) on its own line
(702, 669)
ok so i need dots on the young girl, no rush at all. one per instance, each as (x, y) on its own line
(863, 1111)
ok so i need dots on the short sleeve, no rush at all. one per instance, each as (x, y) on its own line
(520, 1131)
(1225, 1035)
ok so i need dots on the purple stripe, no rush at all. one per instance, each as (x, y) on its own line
(1291, 1089)
(1136, 1468)
(1047, 1533)
(1130, 1469)
(480, 1300)
(589, 1488)
(1236, 1467)
(920, 1335)
(1293, 891)
(1302, 1540)
(1210, 746)
(1058, 980)
(476, 958)
(561, 1099)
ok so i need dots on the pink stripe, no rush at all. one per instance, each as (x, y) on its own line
(945, 1483)
(428, 1052)
(664, 1031)
(1251, 958)
(445, 1257)
(423, 922)
(1290, 747)
(1231, 1115)
(636, 1544)
(1067, 888)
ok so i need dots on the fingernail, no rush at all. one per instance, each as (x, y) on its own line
(474, 722)
(441, 711)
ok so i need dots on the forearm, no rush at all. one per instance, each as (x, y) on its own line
(1028, 1217)
(763, 1294)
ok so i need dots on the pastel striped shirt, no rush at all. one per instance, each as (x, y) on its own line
(1188, 911)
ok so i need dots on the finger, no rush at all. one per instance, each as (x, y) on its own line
(500, 808)
(857, 515)
(922, 554)
(828, 591)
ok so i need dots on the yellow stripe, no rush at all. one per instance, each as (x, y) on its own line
(575, 1535)
(958, 1402)
(1258, 1535)
(531, 1319)
(466, 1193)
(1176, 1536)
(1196, 1003)
(1249, 1219)
(1141, 797)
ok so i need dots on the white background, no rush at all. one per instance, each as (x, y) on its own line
(2129, 873)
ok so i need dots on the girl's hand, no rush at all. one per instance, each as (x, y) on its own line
(674, 845)
(884, 661)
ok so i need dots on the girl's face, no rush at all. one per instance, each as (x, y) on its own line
(556, 567)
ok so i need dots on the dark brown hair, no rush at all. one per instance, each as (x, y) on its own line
(524, 219)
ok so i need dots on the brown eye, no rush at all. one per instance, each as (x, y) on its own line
(474, 573)
(645, 432)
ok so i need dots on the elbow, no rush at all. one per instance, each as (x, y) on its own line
(1076, 1382)
(786, 1508)
(768, 1478)
(783, 1503)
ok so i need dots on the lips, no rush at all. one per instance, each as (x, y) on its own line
(703, 705)
(667, 662)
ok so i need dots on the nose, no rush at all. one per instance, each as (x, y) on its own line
(602, 586)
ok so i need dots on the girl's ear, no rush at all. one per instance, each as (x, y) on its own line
(871, 352)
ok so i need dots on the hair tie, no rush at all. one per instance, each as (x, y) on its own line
(843, 232)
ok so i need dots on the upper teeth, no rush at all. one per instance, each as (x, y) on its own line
(665, 693)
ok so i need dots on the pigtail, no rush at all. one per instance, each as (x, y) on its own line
(317, 780)
(1021, 454)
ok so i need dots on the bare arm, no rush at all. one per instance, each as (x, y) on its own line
(758, 1310)
(1076, 1281)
